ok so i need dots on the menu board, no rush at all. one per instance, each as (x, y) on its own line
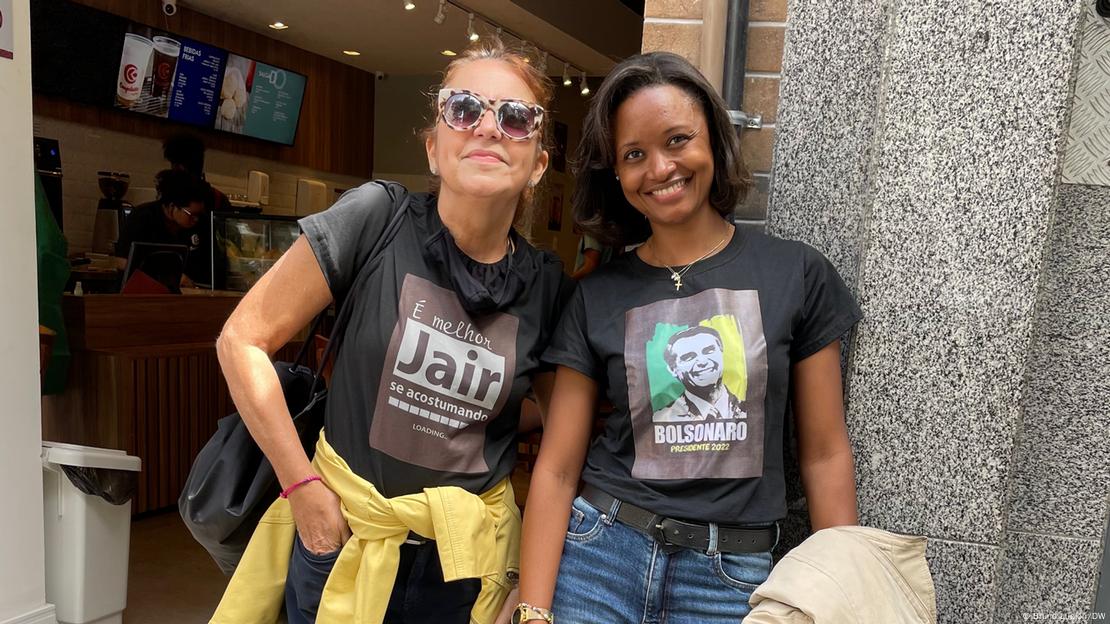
(167, 76)
(183, 80)
(196, 83)
(260, 100)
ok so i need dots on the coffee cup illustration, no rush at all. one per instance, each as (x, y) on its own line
(133, 66)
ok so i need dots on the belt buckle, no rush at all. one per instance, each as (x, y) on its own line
(665, 525)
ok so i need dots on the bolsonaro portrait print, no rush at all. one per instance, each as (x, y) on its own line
(697, 379)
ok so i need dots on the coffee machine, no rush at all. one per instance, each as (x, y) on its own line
(111, 212)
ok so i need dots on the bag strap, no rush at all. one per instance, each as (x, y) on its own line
(308, 342)
(347, 307)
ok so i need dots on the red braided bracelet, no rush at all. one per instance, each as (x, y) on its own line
(289, 490)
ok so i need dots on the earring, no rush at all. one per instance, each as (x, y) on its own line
(531, 184)
(618, 178)
(434, 172)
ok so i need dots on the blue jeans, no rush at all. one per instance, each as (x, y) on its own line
(615, 574)
(419, 591)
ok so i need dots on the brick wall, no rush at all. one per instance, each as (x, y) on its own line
(678, 25)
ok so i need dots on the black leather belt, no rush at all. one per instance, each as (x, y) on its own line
(415, 539)
(672, 532)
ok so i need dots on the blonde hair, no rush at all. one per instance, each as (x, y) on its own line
(520, 62)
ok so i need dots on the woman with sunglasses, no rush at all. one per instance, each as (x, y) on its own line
(699, 338)
(406, 515)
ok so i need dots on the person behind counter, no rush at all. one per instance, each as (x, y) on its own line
(185, 151)
(174, 218)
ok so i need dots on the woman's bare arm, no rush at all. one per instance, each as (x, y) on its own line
(554, 484)
(283, 301)
(824, 452)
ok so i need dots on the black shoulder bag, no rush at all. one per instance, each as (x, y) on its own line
(231, 483)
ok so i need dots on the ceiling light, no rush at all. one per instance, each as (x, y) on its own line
(279, 26)
(352, 52)
(585, 87)
(449, 53)
(566, 75)
(441, 13)
(409, 5)
(470, 32)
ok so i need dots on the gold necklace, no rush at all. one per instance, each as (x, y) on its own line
(677, 275)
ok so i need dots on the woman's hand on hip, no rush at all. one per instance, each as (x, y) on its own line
(319, 520)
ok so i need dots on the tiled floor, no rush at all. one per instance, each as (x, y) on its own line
(171, 580)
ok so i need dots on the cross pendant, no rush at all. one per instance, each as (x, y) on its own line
(677, 281)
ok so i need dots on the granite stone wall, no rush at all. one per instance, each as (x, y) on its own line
(919, 146)
(1060, 476)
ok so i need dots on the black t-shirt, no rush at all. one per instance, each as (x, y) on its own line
(699, 378)
(425, 394)
(147, 224)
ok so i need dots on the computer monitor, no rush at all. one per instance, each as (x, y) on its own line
(162, 262)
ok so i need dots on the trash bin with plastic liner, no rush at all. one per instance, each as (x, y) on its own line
(87, 494)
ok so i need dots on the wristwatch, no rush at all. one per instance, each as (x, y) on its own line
(525, 612)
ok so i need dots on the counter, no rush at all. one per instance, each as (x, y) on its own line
(97, 322)
(144, 378)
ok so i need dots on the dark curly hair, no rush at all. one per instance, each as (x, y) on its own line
(600, 207)
(180, 188)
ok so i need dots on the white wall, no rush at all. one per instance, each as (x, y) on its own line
(88, 149)
(22, 581)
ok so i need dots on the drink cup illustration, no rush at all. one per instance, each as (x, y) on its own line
(166, 51)
(133, 65)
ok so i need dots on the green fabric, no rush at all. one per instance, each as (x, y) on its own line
(53, 273)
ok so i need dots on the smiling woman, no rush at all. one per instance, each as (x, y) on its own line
(698, 336)
(465, 146)
(453, 309)
(650, 112)
(664, 157)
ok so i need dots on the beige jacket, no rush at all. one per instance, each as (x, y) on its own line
(849, 575)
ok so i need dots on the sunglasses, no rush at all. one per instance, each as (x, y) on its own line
(463, 110)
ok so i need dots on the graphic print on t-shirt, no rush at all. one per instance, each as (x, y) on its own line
(445, 376)
(697, 377)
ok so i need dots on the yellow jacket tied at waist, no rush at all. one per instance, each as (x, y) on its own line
(477, 536)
